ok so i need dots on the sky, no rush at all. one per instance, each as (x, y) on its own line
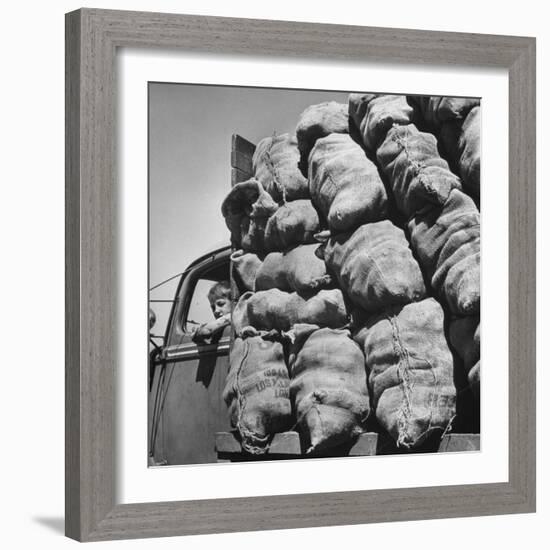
(190, 129)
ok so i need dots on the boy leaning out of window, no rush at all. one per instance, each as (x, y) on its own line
(219, 297)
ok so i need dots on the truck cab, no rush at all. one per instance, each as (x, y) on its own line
(186, 408)
(186, 379)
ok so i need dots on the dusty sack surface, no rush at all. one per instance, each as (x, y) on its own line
(447, 243)
(328, 386)
(411, 371)
(461, 145)
(275, 165)
(344, 184)
(293, 223)
(298, 270)
(439, 109)
(257, 392)
(276, 310)
(244, 266)
(318, 121)
(375, 266)
(375, 114)
(246, 210)
(465, 336)
(469, 146)
(417, 174)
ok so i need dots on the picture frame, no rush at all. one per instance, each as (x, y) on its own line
(92, 39)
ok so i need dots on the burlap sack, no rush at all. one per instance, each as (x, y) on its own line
(438, 109)
(375, 266)
(447, 140)
(474, 377)
(375, 114)
(246, 210)
(275, 165)
(411, 371)
(275, 310)
(291, 224)
(318, 121)
(328, 386)
(239, 317)
(299, 270)
(344, 184)
(326, 308)
(257, 392)
(416, 172)
(469, 146)
(245, 266)
(464, 335)
(446, 240)
(461, 145)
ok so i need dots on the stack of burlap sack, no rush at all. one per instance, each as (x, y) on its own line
(290, 310)
(457, 124)
(336, 315)
(443, 221)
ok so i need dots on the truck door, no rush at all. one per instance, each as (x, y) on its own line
(186, 407)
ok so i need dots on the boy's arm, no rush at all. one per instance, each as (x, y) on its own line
(207, 331)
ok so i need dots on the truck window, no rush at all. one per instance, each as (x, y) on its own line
(203, 300)
(199, 309)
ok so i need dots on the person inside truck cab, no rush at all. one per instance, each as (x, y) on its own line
(219, 297)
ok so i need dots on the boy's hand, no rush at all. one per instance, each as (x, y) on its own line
(207, 331)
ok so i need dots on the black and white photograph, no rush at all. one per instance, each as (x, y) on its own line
(314, 268)
(252, 234)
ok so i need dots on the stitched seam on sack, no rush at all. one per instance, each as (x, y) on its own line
(241, 399)
(243, 430)
(274, 172)
(313, 406)
(403, 370)
(334, 189)
(433, 401)
(376, 267)
(418, 167)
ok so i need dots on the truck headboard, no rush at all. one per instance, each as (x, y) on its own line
(241, 159)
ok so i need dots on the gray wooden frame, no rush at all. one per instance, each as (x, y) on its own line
(92, 38)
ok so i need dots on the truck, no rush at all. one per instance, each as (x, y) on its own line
(188, 421)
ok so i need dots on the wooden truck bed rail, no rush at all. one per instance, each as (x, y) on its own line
(287, 445)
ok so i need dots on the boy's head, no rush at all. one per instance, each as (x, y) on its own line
(219, 297)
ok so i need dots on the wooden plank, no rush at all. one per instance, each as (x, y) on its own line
(242, 151)
(242, 161)
(237, 176)
(226, 442)
(242, 145)
(365, 445)
(288, 443)
(453, 443)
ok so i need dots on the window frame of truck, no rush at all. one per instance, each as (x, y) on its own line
(93, 37)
